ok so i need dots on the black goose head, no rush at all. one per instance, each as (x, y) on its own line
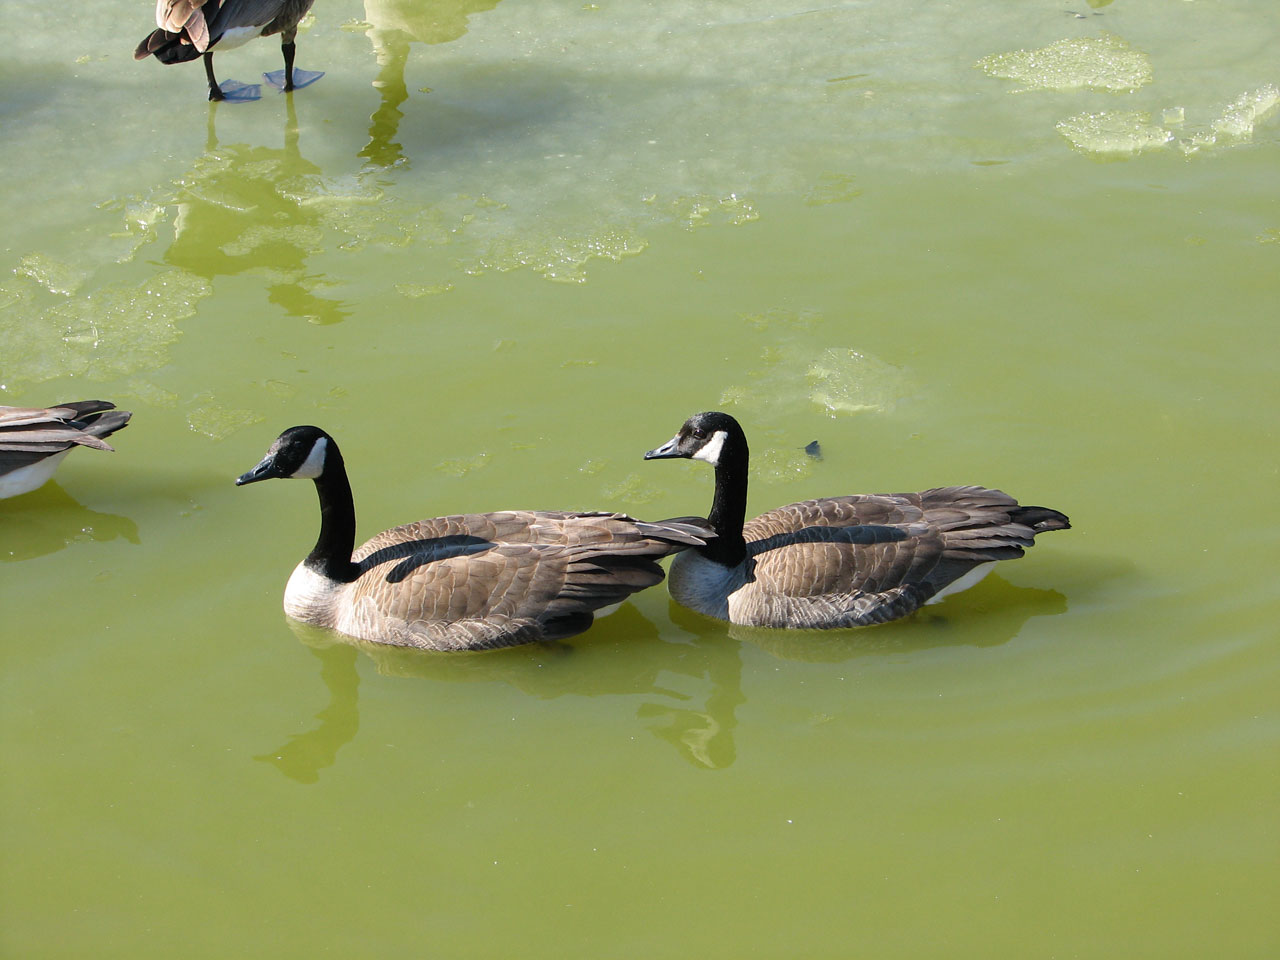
(712, 436)
(300, 453)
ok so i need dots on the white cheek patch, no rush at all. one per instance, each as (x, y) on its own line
(710, 451)
(313, 466)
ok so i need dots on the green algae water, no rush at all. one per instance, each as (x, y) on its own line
(499, 251)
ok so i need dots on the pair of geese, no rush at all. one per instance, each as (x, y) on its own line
(478, 581)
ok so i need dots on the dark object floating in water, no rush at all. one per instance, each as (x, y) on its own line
(192, 28)
(813, 449)
(34, 440)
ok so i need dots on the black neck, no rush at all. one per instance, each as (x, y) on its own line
(729, 508)
(331, 556)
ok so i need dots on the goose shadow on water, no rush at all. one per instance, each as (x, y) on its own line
(45, 521)
(244, 209)
(622, 655)
(394, 26)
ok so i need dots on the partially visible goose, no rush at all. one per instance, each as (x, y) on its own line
(839, 561)
(465, 582)
(187, 29)
(34, 440)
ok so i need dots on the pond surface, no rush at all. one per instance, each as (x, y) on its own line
(499, 251)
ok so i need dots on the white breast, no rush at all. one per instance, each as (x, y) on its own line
(310, 596)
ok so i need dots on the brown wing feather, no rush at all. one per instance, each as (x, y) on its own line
(176, 16)
(54, 429)
(482, 580)
(804, 573)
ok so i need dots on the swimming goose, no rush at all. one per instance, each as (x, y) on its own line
(839, 561)
(466, 582)
(34, 440)
(187, 29)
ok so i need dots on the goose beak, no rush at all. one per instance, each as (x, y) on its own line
(668, 451)
(266, 470)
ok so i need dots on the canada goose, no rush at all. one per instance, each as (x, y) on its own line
(839, 561)
(33, 441)
(192, 28)
(466, 582)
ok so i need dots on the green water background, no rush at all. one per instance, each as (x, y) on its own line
(499, 251)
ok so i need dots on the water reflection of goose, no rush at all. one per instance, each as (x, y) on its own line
(35, 440)
(840, 561)
(394, 25)
(462, 582)
(245, 209)
(689, 691)
(187, 29)
(52, 520)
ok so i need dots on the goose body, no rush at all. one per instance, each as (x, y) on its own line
(35, 440)
(463, 582)
(187, 29)
(840, 561)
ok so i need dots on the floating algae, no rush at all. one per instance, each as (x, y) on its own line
(218, 421)
(1095, 63)
(1113, 132)
(109, 332)
(849, 381)
(1242, 114)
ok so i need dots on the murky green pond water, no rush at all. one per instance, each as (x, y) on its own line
(500, 250)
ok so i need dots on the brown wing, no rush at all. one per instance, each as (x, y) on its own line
(867, 559)
(841, 546)
(176, 20)
(481, 580)
(28, 434)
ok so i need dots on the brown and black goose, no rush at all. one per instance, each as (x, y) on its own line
(465, 582)
(187, 29)
(840, 561)
(34, 440)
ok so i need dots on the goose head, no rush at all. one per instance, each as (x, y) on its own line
(300, 453)
(710, 436)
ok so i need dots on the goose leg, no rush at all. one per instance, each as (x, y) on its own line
(232, 91)
(215, 92)
(290, 79)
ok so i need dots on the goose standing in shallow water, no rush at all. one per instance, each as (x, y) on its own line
(466, 582)
(34, 440)
(839, 561)
(187, 29)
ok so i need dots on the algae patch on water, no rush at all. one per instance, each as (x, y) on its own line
(1113, 132)
(112, 331)
(1116, 133)
(1096, 63)
(850, 381)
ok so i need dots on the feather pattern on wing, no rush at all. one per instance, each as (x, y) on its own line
(486, 580)
(30, 434)
(896, 551)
